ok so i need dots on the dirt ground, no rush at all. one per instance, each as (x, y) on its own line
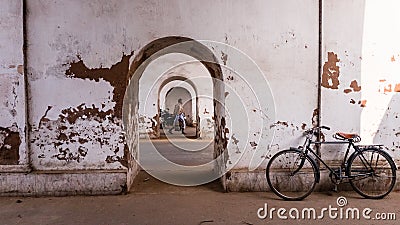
(154, 202)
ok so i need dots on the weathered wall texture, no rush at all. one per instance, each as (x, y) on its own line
(80, 56)
(360, 82)
(76, 92)
(12, 87)
(78, 61)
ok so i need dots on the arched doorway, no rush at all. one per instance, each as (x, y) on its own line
(171, 97)
(167, 88)
(150, 52)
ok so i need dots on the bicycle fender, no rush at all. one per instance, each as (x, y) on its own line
(375, 147)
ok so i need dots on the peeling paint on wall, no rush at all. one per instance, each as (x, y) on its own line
(85, 133)
(353, 87)
(362, 103)
(148, 126)
(253, 144)
(314, 118)
(386, 86)
(224, 57)
(330, 73)
(75, 132)
(116, 75)
(9, 145)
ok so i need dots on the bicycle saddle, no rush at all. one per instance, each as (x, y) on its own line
(346, 135)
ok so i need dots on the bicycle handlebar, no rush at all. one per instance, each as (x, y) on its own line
(325, 127)
(315, 130)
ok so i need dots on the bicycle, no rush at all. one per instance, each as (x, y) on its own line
(293, 173)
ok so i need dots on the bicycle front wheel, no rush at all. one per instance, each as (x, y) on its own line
(372, 173)
(291, 175)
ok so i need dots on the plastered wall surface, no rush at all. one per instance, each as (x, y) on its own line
(360, 72)
(78, 60)
(12, 87)
(62, 112)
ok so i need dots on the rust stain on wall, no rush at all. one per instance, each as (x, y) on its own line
(116, 75)
(330, 73)
(9, 145)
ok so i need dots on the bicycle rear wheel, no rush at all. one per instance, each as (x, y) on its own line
(291, 175)
(372, 173)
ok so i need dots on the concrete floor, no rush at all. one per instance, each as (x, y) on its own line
(154, 202)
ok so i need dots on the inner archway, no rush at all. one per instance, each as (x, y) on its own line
(169, 97)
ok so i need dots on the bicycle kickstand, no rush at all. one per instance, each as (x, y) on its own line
(335, 188)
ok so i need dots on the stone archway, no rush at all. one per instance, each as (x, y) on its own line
(147, 54)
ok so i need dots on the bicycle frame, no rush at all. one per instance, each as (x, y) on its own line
(350, 144)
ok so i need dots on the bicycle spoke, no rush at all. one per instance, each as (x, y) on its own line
(291, 175)
(372, 173)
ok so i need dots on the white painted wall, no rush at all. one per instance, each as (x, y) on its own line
(12, 85)
(364, 36)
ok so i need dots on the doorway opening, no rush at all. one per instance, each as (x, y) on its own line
(175, 159)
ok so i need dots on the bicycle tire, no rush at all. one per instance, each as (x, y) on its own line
(375, 182)
(287, 179)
